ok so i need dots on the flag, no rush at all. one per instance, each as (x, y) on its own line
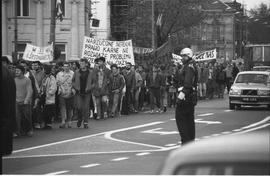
(59, 10)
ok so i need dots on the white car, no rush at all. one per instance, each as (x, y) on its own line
(250, 88)
(239, 154)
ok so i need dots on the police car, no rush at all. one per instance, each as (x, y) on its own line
(250, 88)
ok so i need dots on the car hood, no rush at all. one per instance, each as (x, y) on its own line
(251, 86)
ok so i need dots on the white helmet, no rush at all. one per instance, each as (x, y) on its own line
(187, 51)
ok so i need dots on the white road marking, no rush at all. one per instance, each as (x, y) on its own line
(172, 119)
(170, 145)
(57, 173)
(120, 159)
(236, 130)
(207, 121)
(108, 135)
(257, 123)
(253, 129)
(206, 137)
(84, 153)
(157, 131)
(142, 154)
(228, 110)
(206, 114)
(226, 132)
(84, 137)
(90, 165)
(214, 135)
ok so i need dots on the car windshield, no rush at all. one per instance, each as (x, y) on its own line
(252, 78)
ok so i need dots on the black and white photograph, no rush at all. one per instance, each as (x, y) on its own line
(135, 87)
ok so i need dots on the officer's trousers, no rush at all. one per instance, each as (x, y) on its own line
(184, 116)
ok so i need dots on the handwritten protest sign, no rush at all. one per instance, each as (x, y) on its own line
(203, 56)
(140, 50)
(118, 52)
(35, 53)
(206, 55)
(177, 59)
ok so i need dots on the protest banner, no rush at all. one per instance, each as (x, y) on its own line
(35, 53)
(206, 55)
(177, 59)
(141, 50)
(118, 52)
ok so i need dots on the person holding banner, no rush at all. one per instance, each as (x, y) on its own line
(81, 82)
(187, 97)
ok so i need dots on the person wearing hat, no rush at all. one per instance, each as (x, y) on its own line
(186, 100)
(23, 102)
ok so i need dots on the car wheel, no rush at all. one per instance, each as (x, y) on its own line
(232, 106)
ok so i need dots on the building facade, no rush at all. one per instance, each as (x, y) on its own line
(33, 26)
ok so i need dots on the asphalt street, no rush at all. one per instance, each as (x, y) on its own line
(134, 144)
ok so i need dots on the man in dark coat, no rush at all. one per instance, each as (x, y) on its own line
(8, 111)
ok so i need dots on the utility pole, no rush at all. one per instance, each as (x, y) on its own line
(15, 31)
(153, 25)
(88, 15)
(52, 27)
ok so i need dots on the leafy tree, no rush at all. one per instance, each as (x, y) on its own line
(177, 15)
(259, 24)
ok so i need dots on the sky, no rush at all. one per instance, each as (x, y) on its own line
(253, 3)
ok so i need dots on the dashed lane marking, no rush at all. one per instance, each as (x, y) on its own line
(228, 110)
(120, 159)
(142, 154)
(170, 145)
(90, 165)
(206, 114)
(57, 173)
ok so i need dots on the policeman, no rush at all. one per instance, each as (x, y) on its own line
(187, 98)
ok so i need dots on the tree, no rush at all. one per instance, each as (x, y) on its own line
(176, 15)
(259, 25)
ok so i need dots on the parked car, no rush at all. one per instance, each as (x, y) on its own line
(250, 88)
(240, 154)
(261, 68)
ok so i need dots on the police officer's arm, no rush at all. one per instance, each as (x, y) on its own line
(188, 80)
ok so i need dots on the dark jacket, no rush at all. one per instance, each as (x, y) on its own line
(130, 80)
(8, 111)
(187, 78)
(104, 89)
(151, 83)
(76, 81)
(117, 82)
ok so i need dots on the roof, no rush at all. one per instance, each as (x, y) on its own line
(215, 5)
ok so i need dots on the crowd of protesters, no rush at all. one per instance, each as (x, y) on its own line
(66, 91)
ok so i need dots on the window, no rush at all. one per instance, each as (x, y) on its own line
(62, 48)
(23, 8)
(216, 32)
(20, 48)
(63, 5)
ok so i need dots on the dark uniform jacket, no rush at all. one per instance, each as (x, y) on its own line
(187, 78)
(8, 111)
